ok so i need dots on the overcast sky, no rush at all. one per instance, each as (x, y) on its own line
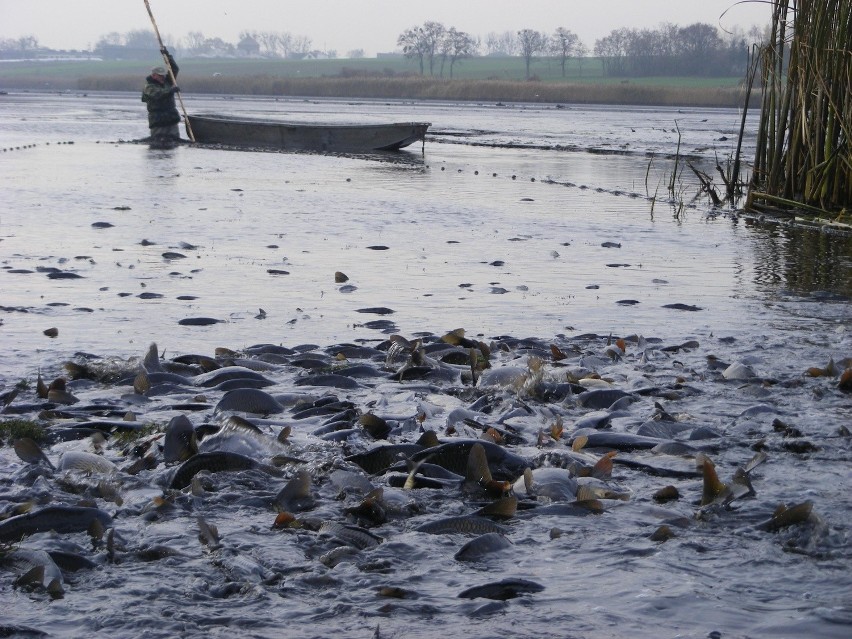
(344, 25)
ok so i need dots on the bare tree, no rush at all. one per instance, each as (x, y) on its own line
(612, 50)
(456, 46)
(141, 39)
(563, 44)
(501, 43)
(412, 45)
(423, 43)
(195, 42)
(356, 53)
(301, 46)
(531, 44)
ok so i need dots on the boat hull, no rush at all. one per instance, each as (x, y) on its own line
(209, 129)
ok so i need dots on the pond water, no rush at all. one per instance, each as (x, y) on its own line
(549, 222)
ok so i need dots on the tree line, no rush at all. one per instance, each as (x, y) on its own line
(697, 49)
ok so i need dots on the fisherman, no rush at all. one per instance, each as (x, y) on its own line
(159, 95)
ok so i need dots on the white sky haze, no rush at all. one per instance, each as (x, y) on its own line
(344, 25)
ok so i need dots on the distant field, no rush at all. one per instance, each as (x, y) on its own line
(476, 78)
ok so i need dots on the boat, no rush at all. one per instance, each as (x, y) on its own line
(299, 136)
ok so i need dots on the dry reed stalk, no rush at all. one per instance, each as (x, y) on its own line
(803, 148)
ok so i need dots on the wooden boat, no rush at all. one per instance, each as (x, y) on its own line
(291, 136)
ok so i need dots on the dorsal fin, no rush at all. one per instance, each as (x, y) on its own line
(528, 481)
(712, 486)
(505, 507)
(34, 576)
(603, 467)
(477, 465)
(429, 439)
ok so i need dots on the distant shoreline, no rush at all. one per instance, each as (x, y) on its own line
(381, 79)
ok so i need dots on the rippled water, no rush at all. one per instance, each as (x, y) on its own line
(518, 221)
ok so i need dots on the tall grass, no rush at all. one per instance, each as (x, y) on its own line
(803, 148)
(426, 88)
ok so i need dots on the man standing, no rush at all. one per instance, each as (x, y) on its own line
(159, 95)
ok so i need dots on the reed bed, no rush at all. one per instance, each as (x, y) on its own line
(425, 88)
(803, 158)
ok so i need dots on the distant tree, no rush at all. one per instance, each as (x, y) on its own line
(113, 38)
(141, 39)
(505, 44)
(455, 46)
(612, 50)
(194, 42)
(582, 51)
(271, 43)
(356, 54)
(531, 43)
(248, 44)
(300, 46)
(423, 43)
(413, 45)
(563, 45)
(697, 45)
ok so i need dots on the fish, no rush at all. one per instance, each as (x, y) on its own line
(502, 590)
(180, 442)
(482, 546)
(350, 535)
(37, 569)
(600, 398)
(249, 400)
(30, 452)
(468, 524)
(296, 494)
(208, 534)
(62, 519)
(215, 462)
(82, 462)
(378, 459)
(784, 517)
(454, 456)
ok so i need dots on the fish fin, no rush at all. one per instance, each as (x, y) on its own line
(713, 487)
(41, 387)
(284, 435)
(528, 481)
(141, 383)
(413, 467)
(429, 439)
(505, 508)
(207, 533)
(375, 426)
(33, 577)
(784, 517)
(151, 361)
(55, 589)
(579, 443)
(592, 505)
(603, 467)
(283, 520)
(557, 428)
(556, 354)
(754, 462)
(477, 465)
(96, 530)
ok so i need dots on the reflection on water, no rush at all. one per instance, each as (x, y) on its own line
(801, 260)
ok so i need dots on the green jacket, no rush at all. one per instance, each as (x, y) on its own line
(161, 100)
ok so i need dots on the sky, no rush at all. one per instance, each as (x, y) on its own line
(345, 25)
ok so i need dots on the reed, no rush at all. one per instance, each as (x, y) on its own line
(803, 146)
(426, 88)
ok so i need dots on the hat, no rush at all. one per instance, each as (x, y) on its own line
(158, 71)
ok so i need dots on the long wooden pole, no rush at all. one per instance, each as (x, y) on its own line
(171, 73)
